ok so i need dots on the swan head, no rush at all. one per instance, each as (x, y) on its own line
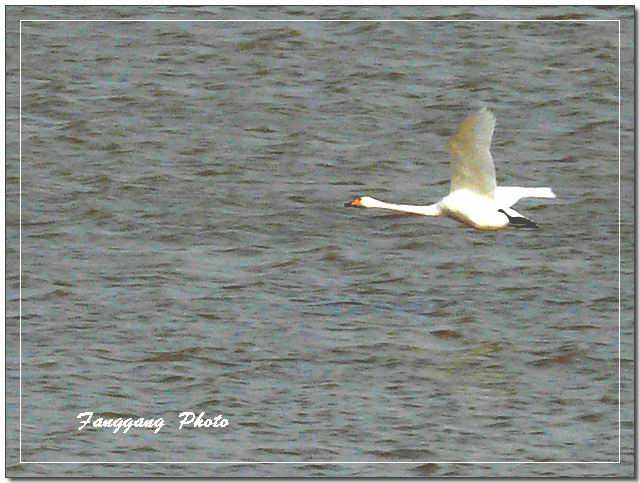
(362, 202)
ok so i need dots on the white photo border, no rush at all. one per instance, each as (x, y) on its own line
(21, 461)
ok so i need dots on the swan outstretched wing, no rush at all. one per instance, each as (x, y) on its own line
(472, 166)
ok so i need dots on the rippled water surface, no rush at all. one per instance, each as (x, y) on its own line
(185, 245)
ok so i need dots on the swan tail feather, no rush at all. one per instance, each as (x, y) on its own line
(540, 193)
(509, 195)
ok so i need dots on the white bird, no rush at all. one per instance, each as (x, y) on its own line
(474, 198)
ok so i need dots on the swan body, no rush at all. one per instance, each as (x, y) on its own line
(474, 198)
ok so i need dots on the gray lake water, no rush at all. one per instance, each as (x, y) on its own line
(185, 245)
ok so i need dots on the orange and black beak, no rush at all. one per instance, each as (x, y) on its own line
(356, 203)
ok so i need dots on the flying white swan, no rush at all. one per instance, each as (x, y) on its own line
(473, 198)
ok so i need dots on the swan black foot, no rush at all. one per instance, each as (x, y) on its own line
(519, 221)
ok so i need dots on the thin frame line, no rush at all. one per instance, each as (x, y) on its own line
(325, 462)
(318, 20)
(307, 463)
(20, 237)
(619, 245)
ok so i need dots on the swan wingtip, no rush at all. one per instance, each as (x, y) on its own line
(485, 111)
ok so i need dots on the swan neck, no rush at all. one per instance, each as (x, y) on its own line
(428, 210)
